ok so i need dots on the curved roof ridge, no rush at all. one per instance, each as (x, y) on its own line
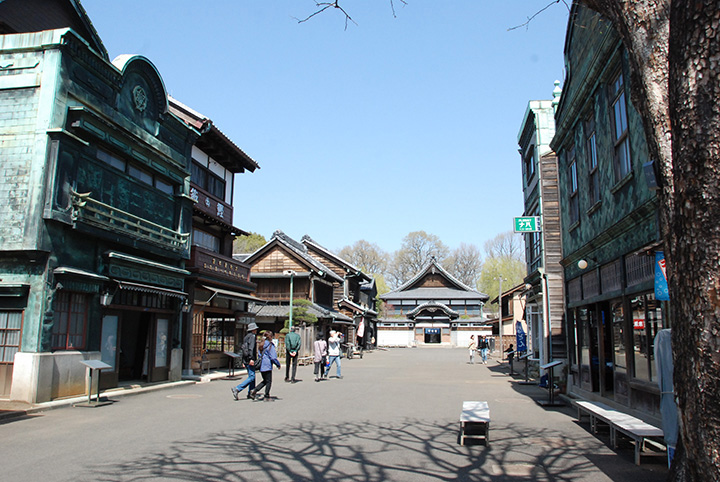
(433, 262)
(432, 305)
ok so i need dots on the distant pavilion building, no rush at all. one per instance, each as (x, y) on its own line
(433, 308)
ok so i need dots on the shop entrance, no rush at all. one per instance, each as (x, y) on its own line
(432, 335)
(134, 346)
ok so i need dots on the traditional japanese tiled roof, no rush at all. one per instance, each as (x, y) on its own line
(313, 308)
(299, 250)
(435, 294)
(346, 265)
(368, 285)
(460, 290)
(212, 140)
(355, 307)
(433, 306)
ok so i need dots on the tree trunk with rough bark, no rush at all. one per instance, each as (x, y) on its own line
(674, 50)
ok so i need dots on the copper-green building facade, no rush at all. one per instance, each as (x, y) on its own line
(610, 232)
(94, 232)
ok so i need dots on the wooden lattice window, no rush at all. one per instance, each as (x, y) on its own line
(70, 327)
(10, 326)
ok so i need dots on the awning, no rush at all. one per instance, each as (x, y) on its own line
(14, 290)
(340, 322)
(233, 295)
(126, 285)
(66, 270)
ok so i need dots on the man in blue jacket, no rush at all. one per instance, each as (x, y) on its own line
(249, 355)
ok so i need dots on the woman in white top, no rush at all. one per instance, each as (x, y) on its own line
(334, 352)
(472, 346)
(319, 357)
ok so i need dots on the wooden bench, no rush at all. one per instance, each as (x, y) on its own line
(475, 422)
(305, 360)
(639, 431)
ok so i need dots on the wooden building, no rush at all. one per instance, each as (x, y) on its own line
(432, 308)
(348, 298)
(96, 230)
(284, 266)
(512, 311)
(545, 310)
(219, 287)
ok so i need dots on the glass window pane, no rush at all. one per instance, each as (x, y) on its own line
(198, 175)
(9, 355)
(654, 324)
(161, 346)
(111, 160)
(165, 187)
(140, 175)
(583, 324)
(641, 343)
(14, 320)
(618, 337)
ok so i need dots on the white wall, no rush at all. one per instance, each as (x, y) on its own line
(394, 337)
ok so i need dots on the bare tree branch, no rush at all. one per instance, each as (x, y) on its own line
(539, 12)
(322, 6)
(392, 5)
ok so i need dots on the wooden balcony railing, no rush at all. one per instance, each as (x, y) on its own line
(93, 212)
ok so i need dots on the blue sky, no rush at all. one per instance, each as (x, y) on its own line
(391, 126)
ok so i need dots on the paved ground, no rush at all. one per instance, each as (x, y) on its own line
(394, 417)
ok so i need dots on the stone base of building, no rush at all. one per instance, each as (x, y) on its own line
(42, 377)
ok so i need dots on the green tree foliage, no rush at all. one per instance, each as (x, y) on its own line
(382, 288)
(248, 244)
(300, 314)
(512, 271)
(465, 264)
(416, 251)
(504, 257)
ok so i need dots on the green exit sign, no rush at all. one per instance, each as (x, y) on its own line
(527, 224)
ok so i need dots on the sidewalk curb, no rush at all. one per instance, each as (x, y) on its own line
(11, 415)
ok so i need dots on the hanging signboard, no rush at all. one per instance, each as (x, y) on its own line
(527, 224)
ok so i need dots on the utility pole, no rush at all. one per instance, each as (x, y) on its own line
(500, 280)
(291, 274)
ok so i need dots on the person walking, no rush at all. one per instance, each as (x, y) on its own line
(292, 350)
(334, 352)
(472, 347)
(511, 356)
(249, 355)
(319, 356)
(483, 345)
(268, 358)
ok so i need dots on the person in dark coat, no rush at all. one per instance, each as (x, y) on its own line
(483, 345)
(249, 355)
(511, 356)
(292, 350)
(267, 360)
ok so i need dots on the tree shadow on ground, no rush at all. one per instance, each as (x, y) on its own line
(365, 451)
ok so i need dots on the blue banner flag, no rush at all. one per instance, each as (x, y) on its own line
(661, 285)
(520, 338)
